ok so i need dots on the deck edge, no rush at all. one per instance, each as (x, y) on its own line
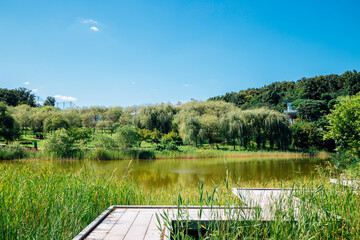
(89, 228)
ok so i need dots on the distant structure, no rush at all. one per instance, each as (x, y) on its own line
(177, 103)
(60, 105)
(65, 105)
(292, 113)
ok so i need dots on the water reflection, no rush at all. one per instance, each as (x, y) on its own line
(188, 172)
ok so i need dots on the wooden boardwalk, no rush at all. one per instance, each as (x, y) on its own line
(355, 184)
(154, 222)
(271, 200)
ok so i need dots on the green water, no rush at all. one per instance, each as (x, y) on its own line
(188, 172)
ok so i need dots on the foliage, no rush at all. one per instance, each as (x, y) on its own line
(309, 110)
(104, 141)
(203, 122)
(22, 115)
(14, 97)
(13, 151)
(55, 122)
(344, 124)
(126, 136)
(156, 117)
(49, 101)
(60, 144)
(41, 202)
(9, 128)
(344, 160)
(171, 137)
(306, 135)
(190, 129)
(272, 96)
(80, 133)
(144, 135)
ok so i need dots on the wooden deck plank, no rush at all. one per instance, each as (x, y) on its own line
(140, 225)
(106, 225)
(140, 222)
(122, 226)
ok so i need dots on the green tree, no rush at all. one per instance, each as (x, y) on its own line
(306, 135)
(231, 126)
(14, 97)
(208, 127)
(127, 136)
(144, 135)
(190, 130)
(49, 101)
(22, 114)
(104, 141)
(156, 117)
(9, 128)
(60, 144)
(55, 122)
(344, 124)
(310, 110)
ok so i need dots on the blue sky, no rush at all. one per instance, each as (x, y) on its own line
(111, 53)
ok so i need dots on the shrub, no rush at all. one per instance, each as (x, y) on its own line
(60, 144)
(13, 151)
(306, 135)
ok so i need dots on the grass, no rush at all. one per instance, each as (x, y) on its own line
(38, 201)
(148, 152)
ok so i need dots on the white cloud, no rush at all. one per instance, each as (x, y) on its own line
(90, 21)
(34, 90)
(95, 29)
(65, 98)
(187, 85)
(26, 83)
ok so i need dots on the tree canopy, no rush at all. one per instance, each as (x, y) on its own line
(344, 124)
(14, 97)
(9, 128)
(272, 96)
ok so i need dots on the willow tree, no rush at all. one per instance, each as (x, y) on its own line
(277, 129)
(21, 114)
(230, 126)
(267, 125)
(156, 117)
(189, 127)
(208, 127)
(255, 120)
(215, 108)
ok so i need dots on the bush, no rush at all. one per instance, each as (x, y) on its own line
(104, 141)
(13, 151)
(60, 144)
(344, 160)
(307, 135)
(171, 137)
(344, 123)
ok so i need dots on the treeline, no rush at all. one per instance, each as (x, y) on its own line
(14, 97)
(321, 89)
(194, 123)
(313, 99)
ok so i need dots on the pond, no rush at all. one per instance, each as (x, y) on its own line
(188, 172)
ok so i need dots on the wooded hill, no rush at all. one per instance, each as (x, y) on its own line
(324, 89)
